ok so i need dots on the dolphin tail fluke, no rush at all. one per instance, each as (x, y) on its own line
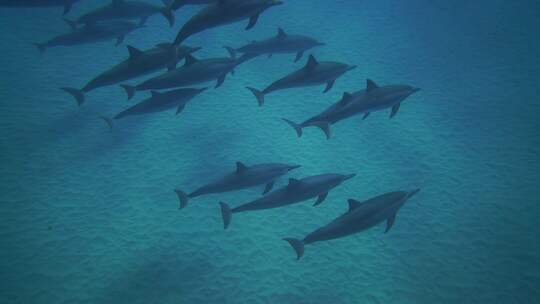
(42, 47)
(182, 197)
(232, 52)
(76, 93)
(258, 94)
(297, 245)
(226, 214)
(295, 126)
(168, 14)
(130, 90)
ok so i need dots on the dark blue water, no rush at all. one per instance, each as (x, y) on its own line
(89, 216)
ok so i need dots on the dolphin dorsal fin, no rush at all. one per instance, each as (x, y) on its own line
(281, 33)
(190, 60)
(240, 167)
(155, 93)
(353, 204)
(133, 52)
(347, 98)
(312, 63)
(371, 85)
(293, 182)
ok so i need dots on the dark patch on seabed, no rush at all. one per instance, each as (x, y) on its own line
(89, 214)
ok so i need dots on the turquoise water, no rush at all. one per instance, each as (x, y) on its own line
(89, 216)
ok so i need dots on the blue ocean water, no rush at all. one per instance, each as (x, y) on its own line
(89, 216)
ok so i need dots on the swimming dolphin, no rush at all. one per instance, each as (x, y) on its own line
(359, 217)
(244, 177)
(139, 63)
(130, 10)
(177, 4)
(224, 12)
(312, 74)
(91, 33)
(295, 192)
(280, 44)
(160, 102)
(193, 72)
(372, 99)
(66, 4)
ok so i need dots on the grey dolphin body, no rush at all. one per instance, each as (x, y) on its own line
(282, 43)
(224, 12)
(126, 10)
(295, 192)
(66, 4)
(359, 217)
(314, 73)
(373, 98)
(177, 4)
(139, 63)
(91, 33)
(193, 72)
(161, 102)
(244, 177)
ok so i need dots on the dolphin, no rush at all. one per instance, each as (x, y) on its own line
(90, 33)
(224, 12)
(359, 217)
(177, 4)
(312, 74)
(66, 4)
(295, 192)
(282, 43)
(139, 63)
(373, 98)
(160, 102)
(244, 177)
(193, 72)
(130, 10)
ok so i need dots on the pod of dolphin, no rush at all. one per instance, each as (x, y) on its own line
(116, 20)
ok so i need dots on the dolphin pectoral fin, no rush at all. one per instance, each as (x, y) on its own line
(325, 127)
(295, 126)
(232, 52)
(76, 93)
(297, 245)
(180, 108)
(130, 90)
(108, 121)
(268, 187)
(395, 109)
(329, 86)
(220, 81)
(365, 116)
(183, 198)
(321, 199)
(258, 94)
(226, 214)
(299, 56)
(390, 222)
(119, 40)
(252, 22)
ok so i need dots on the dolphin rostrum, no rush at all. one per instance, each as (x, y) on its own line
(314, 73)
(159, 102)
(224, 12)
(66, 4)
(127, 10)
(359, 217)
(295, 192)
(90, 33)
(373, 98)
(282, 43)
(139, 63)
(193, 72)
(244, 177)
